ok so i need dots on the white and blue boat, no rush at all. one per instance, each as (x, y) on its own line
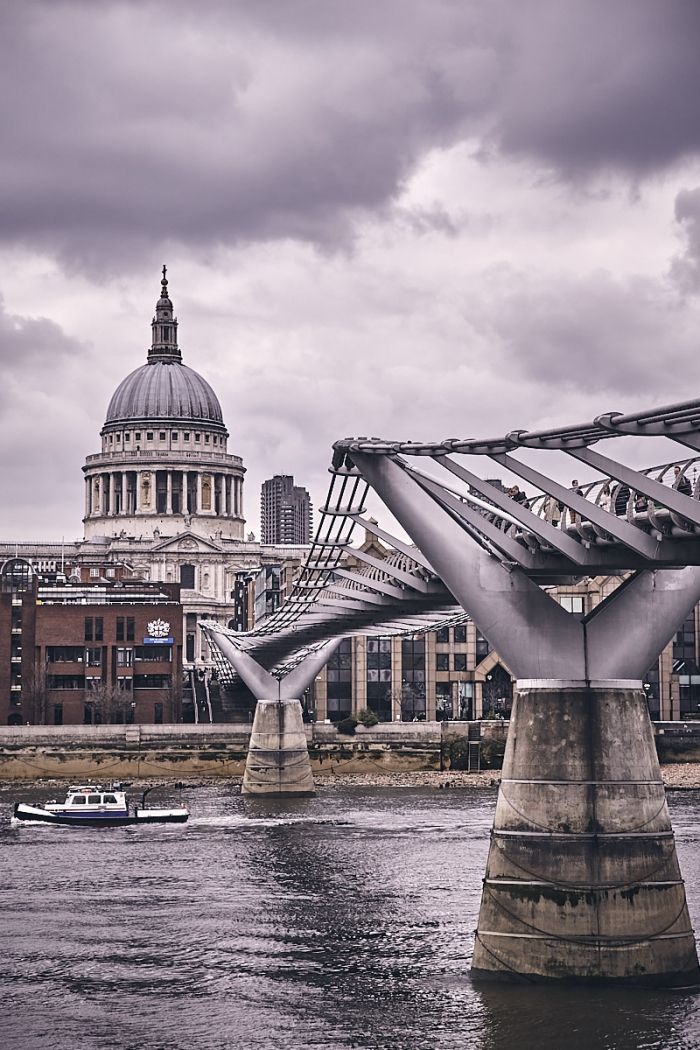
(89, 805)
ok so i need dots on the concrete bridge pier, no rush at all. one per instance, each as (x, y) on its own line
(277, 763)
(582, 882)
(278, 756)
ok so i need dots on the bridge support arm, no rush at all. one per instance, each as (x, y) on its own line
(502, 600)
(278, 758)
(626, 633)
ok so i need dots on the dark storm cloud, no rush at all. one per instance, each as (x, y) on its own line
(590, 83)
(127, 125)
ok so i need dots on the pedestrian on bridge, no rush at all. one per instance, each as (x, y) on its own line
(681, 482)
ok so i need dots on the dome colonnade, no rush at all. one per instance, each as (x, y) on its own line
(164, 460)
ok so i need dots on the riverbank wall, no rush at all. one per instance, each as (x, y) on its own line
(144, 751)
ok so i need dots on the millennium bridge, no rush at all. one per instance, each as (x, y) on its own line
(582, 879)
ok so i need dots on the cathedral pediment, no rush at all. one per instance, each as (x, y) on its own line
(187, 543)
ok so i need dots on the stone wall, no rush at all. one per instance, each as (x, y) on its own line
(139, 751)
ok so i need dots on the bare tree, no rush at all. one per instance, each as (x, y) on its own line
(110, 704)
(38, 690)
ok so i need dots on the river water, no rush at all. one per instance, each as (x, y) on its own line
(345, 920)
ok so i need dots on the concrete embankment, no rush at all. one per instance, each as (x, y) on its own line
(395, 749)
(141, 751)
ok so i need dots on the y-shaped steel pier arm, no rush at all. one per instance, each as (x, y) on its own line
(535, 636)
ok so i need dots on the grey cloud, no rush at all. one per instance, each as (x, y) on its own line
(598, 84)
(32, 351)
(126, 126)
(44, 394)
(597, 334)
(685, 269)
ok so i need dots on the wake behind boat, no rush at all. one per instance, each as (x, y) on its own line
(89, 805)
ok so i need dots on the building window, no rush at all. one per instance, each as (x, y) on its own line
(443, 635)
(206, 438)
(152, 681)
(155, 653)
(186, 436)
(187, 577)
(461, 633)
(158, 714)
(379, 677)
(443, 701)
(93, 657)
(482, 647)
(130, 628)
(89, 628)
(94, 573)
(119, 437)
(413, 678)
(442, 661)
(124, 657)
(573, 603)
(63, 654)
(149, 435)
(339, 681)
(174, 435)
(127, 437)
(92, 683)
(98, 629)
(58, 714)
(111, 573)
(137, 435)
(65, 681)
(161, 436)
(197, 437)
(460, 661)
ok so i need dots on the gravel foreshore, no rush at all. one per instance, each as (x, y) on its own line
(679, 776)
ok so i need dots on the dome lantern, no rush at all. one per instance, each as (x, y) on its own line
(164, 327)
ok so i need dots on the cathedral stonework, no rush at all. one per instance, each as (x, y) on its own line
(164, 467)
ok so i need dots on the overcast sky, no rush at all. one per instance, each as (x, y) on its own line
(386, 217)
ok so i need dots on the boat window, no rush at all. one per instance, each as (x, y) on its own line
(78, 800)
(94, 800)
(109, 798)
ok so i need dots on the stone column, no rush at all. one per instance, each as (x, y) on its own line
(198, 509)
(125, 492)
(582, 881)
(110, 509)
(185, 494)
(278, 755)
(87, 497)
(168, 492)
(137, 495)
(227, 503)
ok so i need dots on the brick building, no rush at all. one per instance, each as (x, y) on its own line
(74, 653)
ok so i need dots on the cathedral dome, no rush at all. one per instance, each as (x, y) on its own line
(164, 390)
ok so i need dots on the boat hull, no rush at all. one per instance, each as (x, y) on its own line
(37, 815)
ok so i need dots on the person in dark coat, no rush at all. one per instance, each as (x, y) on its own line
(681, 482)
